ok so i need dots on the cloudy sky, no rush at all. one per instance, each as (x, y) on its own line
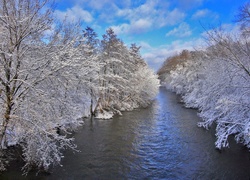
(161, 27)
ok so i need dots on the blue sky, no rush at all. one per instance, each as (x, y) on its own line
(161, 27)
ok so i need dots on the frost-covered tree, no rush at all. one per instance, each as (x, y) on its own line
(144, 87)
(143, 82)
(21, 25)
(216, 81)
(232, 77)
(111, 80)
(170, 64)
(91, 51)
(41, 80)
(119, 74)
(51, 77)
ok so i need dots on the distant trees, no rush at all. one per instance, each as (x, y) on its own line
(171, 64)
(217, 82)
(51, 77)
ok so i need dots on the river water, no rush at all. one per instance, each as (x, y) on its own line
(158, 142)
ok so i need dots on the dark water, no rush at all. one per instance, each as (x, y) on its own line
(159, 142)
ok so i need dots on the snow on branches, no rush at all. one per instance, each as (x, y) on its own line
(49, 81)
(217, 82)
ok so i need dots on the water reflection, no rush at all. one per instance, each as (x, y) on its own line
(159, 142)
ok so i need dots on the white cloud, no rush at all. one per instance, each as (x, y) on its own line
(152, 14)
(139, 26)
(233, 29)
(121, 29)
(127, 17)
(98, 4)
(203, 13)
(173, 17)
(155, 56)
(183, 30)
(142, 23)
(189, 4)
(74, 14)
(144, 45)
(101, 4)
(200, 13)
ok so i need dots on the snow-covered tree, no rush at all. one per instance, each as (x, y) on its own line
(143, 82)
(119, 72)
(144, 87)
(216, 81)
(230, 79)
(21, 25)
(43, 84)
(53, 74)
(222, 89)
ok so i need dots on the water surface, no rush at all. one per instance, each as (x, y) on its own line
(158, 142)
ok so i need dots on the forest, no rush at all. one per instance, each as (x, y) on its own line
(52, 74)
(216, 80)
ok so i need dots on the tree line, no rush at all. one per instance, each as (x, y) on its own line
(54, 73)
(216, 80)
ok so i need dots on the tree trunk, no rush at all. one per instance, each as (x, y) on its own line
(4, 126)
(91, 107)
(6, 118)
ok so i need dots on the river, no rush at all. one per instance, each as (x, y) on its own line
(158, 142)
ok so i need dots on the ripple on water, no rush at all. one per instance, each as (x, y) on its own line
(158, 142)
